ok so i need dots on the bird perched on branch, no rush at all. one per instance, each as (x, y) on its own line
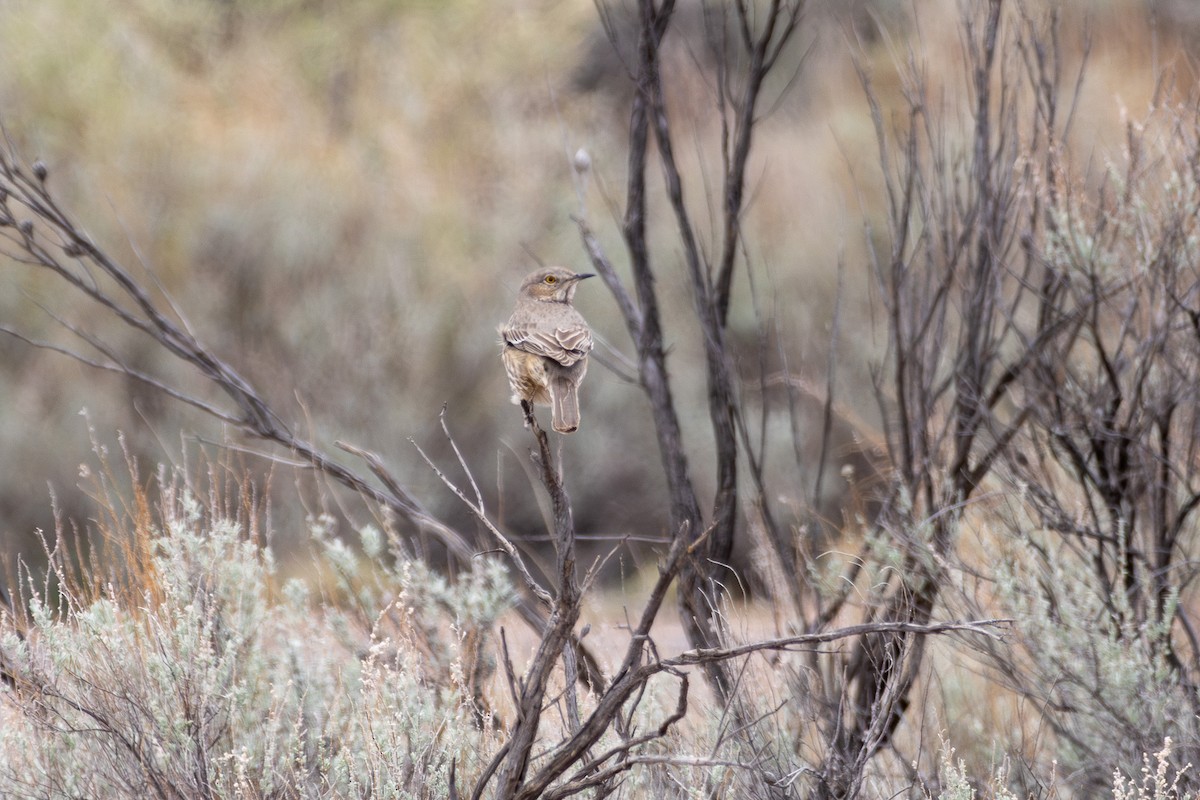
(546, 343)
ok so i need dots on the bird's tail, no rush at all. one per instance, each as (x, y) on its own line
(564, 397)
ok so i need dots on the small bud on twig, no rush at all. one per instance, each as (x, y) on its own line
(583, 161)
(39, 170)
(72, 250)
(26, 227)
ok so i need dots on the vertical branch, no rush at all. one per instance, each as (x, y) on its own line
(780, 24)
(711, 302)
(649, 113)
(695, 588)
(646, 328)
(558, 635)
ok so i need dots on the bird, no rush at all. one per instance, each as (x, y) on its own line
(546, 342)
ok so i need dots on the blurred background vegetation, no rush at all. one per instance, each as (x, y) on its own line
(342, 195)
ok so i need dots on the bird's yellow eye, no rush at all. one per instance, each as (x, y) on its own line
(551, 279)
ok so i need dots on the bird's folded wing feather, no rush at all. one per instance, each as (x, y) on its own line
(564, 345)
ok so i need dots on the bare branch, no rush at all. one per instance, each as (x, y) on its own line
(800, 641)
(514, 555)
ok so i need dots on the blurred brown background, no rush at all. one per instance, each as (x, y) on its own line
(342, 196)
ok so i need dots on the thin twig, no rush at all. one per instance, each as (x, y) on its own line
(509, 548)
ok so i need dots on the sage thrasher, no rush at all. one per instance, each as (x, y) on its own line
(546, 343)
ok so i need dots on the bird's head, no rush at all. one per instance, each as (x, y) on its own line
(552, 284)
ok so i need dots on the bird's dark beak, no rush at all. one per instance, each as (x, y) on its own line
(583, 275)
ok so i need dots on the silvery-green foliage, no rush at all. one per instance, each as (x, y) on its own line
(402, 602)
(956, 782)
(201, 676)
(1104, 680)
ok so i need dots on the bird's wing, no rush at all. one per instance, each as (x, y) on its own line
(564, 345)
